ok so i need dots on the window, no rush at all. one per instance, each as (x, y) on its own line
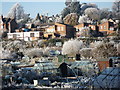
(31, 34)
(62, 28)
(1, 27)
(101, 27)
(92, 27)
(52, 30)
(18, 34)
(104, 27)
(14, 35)
(48, 30)
(111, 28)
(58, 28)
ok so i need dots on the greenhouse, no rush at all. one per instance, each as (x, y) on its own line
(45, 67)
(109, 78)
(86, 67)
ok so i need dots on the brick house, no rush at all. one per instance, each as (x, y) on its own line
(8, 24)
(59, 29)
(81, 26)
(107, 27)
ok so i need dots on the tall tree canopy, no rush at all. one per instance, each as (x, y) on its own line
(17, 12)
(72, 47)
(92, 13)
(71, 7)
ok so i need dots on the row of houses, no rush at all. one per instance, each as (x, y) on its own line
(52, 30)
(44, 31)
(106, 28)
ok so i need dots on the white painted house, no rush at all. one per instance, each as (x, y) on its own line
(27, 36)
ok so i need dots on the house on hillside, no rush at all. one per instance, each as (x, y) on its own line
(8, 24)
(80, 26)
(27, 36)
(85, 29)
(94, 27)
(107, 28)
(60, 30)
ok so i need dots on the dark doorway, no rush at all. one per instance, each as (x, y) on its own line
(63, 69)
(110, 63)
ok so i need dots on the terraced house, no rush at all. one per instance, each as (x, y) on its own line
(107, 27)
(59, 30)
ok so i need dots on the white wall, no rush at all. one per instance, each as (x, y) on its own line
(18, 35)
(24, 35)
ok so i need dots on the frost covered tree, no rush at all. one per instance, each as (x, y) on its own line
(47, 50)
(9, 55)
(71, 7)
(59, 19)
(104, 20)
(71, 47)
(84, 6)
(104, 13)
(65, 12)
(75, 7)
(86, 52)
(68, 2)
(71, 19)
(5, 54)
(116, 8)
(118, 49)
(17, 12)
(84, 19)
(92, 13)
(104, 49)
(84, 32)
(34, 52)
